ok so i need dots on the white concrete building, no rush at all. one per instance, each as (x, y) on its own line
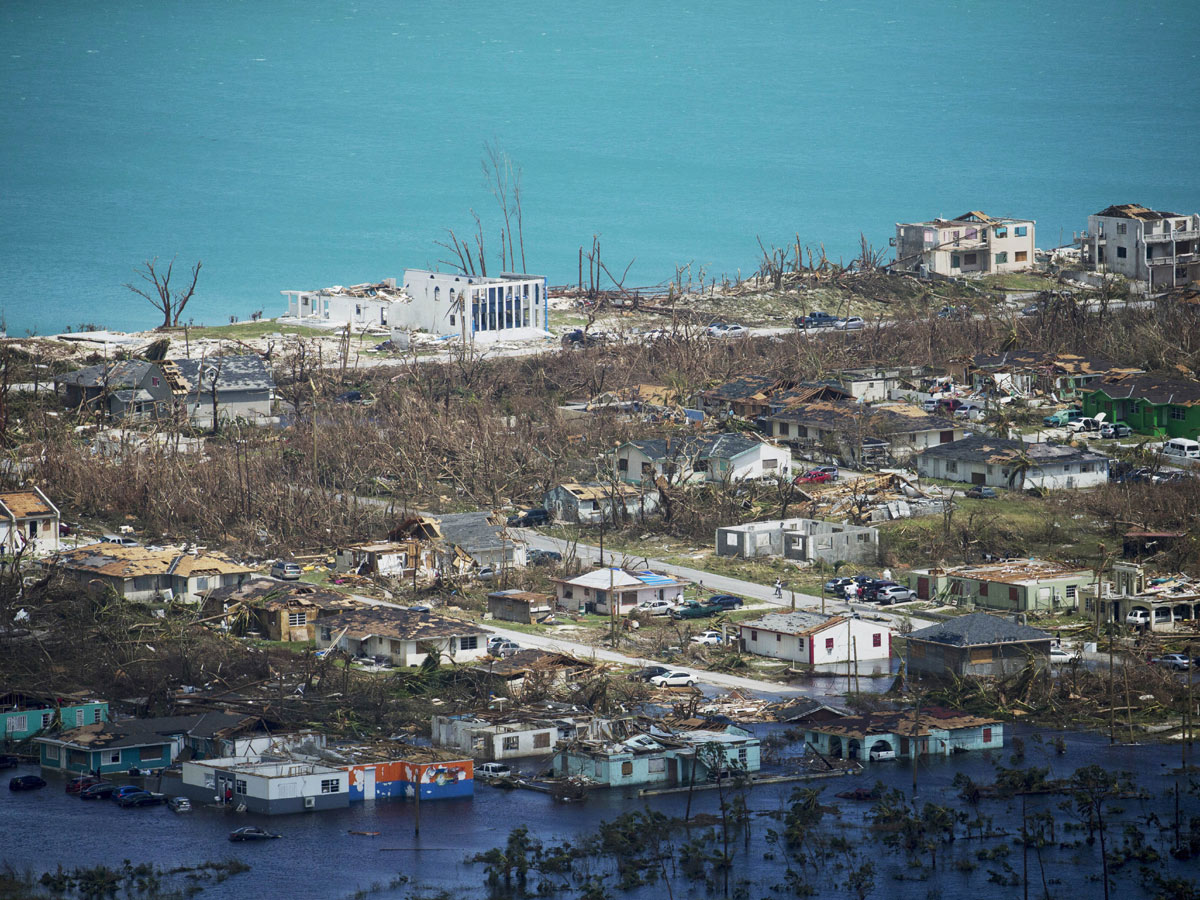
(803, 540)
(973, 243)
(360, 306)
(1161, 249)
(699, 458)
(594, 502)
(490, 740)
(508, 306)
(1005, 463)
(267, 787)
(812, 639)
(591, 592)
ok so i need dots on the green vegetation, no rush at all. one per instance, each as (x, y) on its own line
(248, 330)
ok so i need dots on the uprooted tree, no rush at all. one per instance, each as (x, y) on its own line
(170, 303)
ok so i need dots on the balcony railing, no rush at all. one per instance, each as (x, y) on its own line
(1162, 238)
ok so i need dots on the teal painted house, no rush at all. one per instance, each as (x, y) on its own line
(105, 748)
(141, 743)
(881, 736)
(1163, 407)
(27, 715)
(665, 759)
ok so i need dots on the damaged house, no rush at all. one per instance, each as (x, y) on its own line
(1160, 249)
(1003, 462)
(802, 540)
(1015, 585)
(277, 610)
(402, 637)
(1150, 405)
(535, 670)
(593, 502)
(515, 605)
(467, 539)
(859, 433)
(973, 243)
(813, 639)
(977, 644)
(609, 753)
(1020, 373)
(198, 390)
(700, 458)
(29, 522)
(881, 736)
(496, 736)
(142, 574)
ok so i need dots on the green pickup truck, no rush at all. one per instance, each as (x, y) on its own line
(693, 610)
(1063, 417)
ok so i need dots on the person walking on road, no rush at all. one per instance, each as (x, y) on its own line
(778, 588)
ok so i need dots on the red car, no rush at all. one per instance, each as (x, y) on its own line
(75, 785)
(814, 477)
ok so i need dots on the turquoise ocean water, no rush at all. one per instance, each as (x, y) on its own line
(302, 144)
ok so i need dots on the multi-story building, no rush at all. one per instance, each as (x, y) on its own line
(1161, 249)
(509, 305)
(971, 244)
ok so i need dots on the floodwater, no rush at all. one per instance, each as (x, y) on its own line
(317, 857)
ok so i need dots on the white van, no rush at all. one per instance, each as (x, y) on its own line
(1188, 449)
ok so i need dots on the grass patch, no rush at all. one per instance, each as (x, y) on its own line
(297, 647)
(1020, 281)
(248, 330)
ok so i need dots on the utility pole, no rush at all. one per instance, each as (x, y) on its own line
(915, 753)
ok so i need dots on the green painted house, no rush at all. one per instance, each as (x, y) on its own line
(26, 715)
(1012, 585)
(1162, 407)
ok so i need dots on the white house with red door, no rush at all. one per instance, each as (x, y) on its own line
(813, 639)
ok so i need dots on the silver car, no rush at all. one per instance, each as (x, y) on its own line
(285, 571)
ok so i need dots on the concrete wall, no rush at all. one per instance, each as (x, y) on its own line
(806, 540)
(933, 658)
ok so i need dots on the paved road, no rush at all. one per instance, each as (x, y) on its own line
(720, 584)
(587, 651)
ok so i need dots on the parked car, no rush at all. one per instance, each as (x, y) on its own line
(1063, 417)
(837, 586)
(139, 799)
(1138, 617)
(831, 470)
(538, 557)
(487, 573)
(122, 539)
(733, 330)
(854, 323)
(1059, 656)
(75, 785)
(813, 476)
(26, 783)
(9, 762)
(709, 638)
(693, 610)
(124, 791)
(251, 833)
(656, 607)
(179, 804)
(891, 593)
(1084, 423)
(1115, 430)
(727, 601)
(528, 518)
(648, 672)
(1176, 661)
(1031, 310)
(101, 790)
(982, 492)
(816, 319)
(491, 770)
(285, 571)
(715, 329)
(674, 678)
(505, 649)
